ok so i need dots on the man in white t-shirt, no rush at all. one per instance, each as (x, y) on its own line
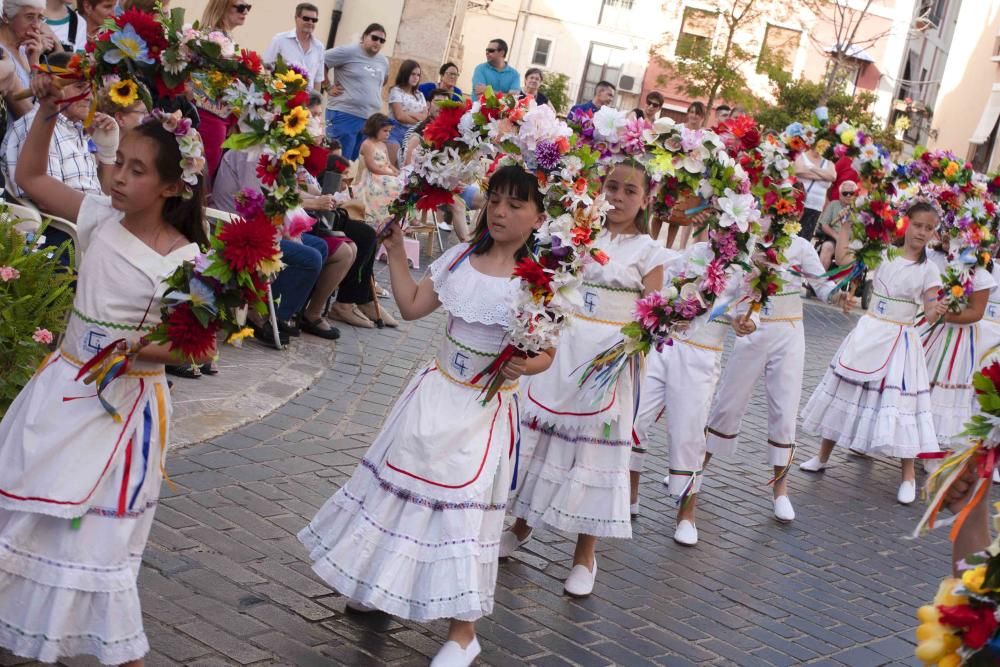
(816, 175)
(300, 46)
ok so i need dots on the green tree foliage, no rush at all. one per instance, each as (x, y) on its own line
(555, 86)
(38, 298)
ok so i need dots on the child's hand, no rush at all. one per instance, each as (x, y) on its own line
(514, 368)
(743, 325)
(847, 302)
(392, 238)
(937, 310)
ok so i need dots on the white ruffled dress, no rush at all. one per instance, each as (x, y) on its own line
(575, 452)
(953, 354)
(415, 531)
(68, 589)
(875, 395)
(989, 329)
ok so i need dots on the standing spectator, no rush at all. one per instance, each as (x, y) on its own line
(654, 105)
(495, 72)
(816, 175)
(359, 73)
(830, 220)
(447, 76)
(845, 172)
(215, 117)
(738, 111)
(696, 116)
(722, 113)
(300, 46)
(407, 105)
(532, 82)
(65, 23)
(604, 94)
(70, 159)
(94, 13)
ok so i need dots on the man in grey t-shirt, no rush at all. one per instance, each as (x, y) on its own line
(359, 73)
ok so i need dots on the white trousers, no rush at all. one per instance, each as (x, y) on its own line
(776, 350)
(679, 382)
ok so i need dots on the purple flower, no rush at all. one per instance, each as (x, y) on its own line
(249, 202)
(547, 155)
(298, 68)
(690, 309)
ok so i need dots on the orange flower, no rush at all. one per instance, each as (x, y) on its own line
(581, 235)
(562, 143)
(580, 186)
(783, 206)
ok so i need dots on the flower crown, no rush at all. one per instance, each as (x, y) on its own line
(190, 144)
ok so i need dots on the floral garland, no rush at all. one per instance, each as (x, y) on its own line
(452, 153)
(136, 50)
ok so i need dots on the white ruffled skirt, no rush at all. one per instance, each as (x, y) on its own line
(952, 357)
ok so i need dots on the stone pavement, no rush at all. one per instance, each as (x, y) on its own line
(225, 581)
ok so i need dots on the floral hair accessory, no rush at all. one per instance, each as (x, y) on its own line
(190, 144)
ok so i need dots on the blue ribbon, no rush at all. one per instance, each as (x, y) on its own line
(147, 431)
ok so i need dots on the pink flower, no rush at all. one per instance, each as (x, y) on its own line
(649, 309)
(690, 309)
(43, 336)
(715, 278)
(8, 273)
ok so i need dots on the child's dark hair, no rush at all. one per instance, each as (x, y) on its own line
(518, 184)
(374, 124)
(912, 210)
(184, 214)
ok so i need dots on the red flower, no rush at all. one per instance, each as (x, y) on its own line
(267, 171)
(600, 257)
(444, 127)
(163, 90)
(300, 99)
(432, 197)
(533, 273)
(187, 335)
(977, 623)
(246, 243)
(992, 373)
(250, 60)
(147, 27)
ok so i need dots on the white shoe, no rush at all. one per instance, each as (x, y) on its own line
(359, 607)
(996, 475)
(451, 654)
(580, 582)
(907, 492)
(813, 465)
(783, 509)
(509, 543)
(666, 481)
(686, 533)
(633, 509)
(444, 227)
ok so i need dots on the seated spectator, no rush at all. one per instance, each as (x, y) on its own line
(378, 184)
(830, 220)
(126, 117)
(454, 213)
(310, 276)
(407, 105)
(24, 37)
(447, 76)
(532, 82)
(75, 159)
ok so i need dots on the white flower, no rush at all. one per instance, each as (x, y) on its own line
(869, 153)
(540, 123)
(738, 209)
(697, 257)
(691, 291)
(975, 209)
(608, 121)
(571, 167)
(663, 124)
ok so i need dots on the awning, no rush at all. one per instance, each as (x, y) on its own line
(989, 118)
(851, 51)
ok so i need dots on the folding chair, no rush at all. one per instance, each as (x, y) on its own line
(30, 217)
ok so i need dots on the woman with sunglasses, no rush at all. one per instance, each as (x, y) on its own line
(215, 116)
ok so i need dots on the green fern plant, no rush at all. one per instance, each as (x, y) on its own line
(36, 294)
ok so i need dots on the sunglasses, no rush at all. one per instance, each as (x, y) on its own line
(310, 19)
(380, 40)
(243, 8)
(492, 50)
(848, 194)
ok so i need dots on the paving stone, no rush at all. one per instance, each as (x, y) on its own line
(228, 645)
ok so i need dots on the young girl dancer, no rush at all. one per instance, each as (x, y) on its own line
(875, 396)
(776, 349)
(680, 381)
(576, 475)
(77, 488)
(415, 530)
(954, 350)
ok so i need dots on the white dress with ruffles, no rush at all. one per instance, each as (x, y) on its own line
(415, 531)
(575, 453)
(953, 354)
(875, 395)
(69, 587)
(989, 329)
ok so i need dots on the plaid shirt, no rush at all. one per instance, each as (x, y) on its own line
(70, 158)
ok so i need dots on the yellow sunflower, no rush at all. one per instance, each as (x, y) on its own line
(295, 157)
(291, 77)
(296, 121)
(124, 93)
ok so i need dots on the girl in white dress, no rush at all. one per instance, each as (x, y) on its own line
(77, 488)
(576, 451)
(875, 396)
(954, 350)
(414, 531)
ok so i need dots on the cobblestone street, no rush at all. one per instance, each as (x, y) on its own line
(226, 582)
